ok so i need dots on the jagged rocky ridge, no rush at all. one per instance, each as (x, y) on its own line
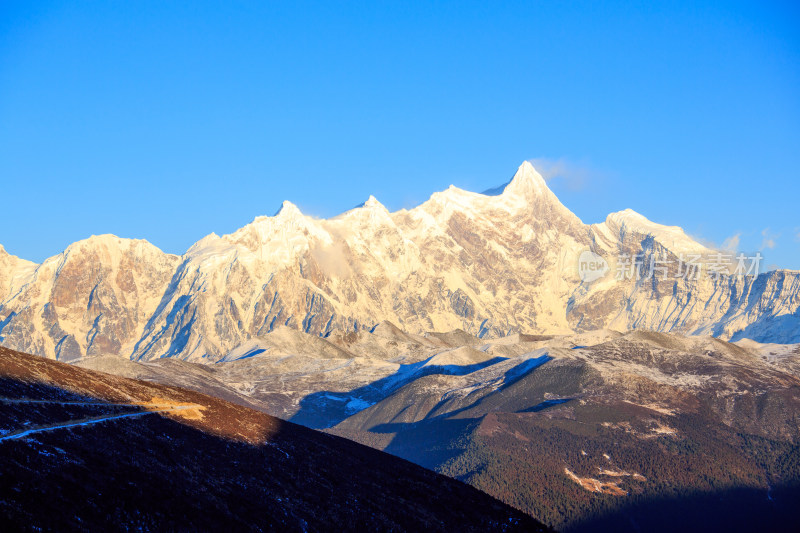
(491, 264)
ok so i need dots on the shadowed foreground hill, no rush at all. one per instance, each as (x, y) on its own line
(86, 450)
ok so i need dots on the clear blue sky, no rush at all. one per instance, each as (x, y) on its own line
(167, 122)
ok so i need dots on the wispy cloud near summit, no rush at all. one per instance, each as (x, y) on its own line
(731, 244)
(770, 239)
(575, 175)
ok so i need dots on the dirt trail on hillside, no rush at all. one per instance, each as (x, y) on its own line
(156, 405)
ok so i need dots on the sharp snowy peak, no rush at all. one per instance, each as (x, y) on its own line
(491, 264)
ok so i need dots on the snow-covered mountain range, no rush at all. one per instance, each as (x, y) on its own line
(492, 264)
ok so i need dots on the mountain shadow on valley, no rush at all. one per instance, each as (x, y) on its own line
(325, 409)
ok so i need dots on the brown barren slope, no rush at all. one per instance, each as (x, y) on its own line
(201, 463)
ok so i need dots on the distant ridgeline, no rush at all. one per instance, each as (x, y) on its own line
(511, 260)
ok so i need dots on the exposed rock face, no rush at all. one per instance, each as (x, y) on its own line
(764, 307)
(93, 298)
(491, 264)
